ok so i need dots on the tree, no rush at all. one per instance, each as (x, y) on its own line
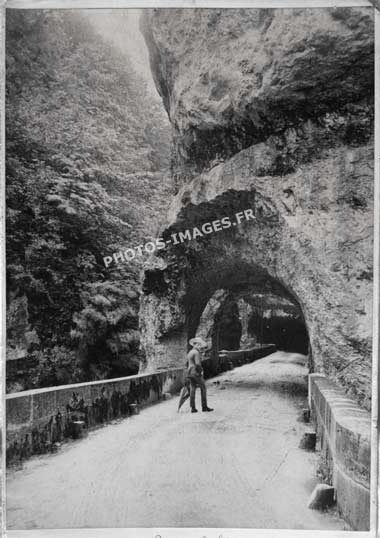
(87, 150)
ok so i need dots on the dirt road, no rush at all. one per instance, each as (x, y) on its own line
(239, 466)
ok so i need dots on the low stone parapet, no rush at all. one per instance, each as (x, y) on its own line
(229, 359)
(344, 437)
(39, 420)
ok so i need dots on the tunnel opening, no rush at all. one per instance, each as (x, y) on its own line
(228, 287)
(280, 323)
(227, 328)
(249, 316)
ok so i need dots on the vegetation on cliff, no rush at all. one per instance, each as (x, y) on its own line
(87, 151)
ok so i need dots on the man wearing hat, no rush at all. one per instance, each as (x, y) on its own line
(195, 373)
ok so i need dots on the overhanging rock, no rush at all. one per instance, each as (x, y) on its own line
(274, 115)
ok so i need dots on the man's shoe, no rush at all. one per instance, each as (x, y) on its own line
(194, 410)
(206, 409)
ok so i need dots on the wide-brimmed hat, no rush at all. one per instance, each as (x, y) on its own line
(197, 340)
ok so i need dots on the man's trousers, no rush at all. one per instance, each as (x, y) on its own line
(197, 381)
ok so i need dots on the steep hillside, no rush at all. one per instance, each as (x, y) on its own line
(87, 160)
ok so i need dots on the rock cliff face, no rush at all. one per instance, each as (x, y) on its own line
(272, 110)
(231, 78)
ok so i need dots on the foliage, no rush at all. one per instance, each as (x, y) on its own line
(87, 150)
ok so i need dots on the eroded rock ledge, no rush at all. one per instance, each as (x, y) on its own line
(231, 78)
(275, 116)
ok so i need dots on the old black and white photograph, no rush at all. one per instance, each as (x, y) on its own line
(190, 289)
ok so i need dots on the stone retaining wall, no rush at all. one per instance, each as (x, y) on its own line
(344, 436)
(231, 358)
(39, 420)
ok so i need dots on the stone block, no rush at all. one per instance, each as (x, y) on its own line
(135, 410)
(322, 497)
(308, 441)
(78, 429)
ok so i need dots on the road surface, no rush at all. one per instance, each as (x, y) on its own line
(239, 466)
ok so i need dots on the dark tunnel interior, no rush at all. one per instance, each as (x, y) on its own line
(288, 333)
(268, 320)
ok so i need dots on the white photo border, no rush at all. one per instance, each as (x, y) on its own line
(199, 532)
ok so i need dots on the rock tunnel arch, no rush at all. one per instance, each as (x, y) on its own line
(244, 318)
(178, 285)
(241, 283)
(291, 243)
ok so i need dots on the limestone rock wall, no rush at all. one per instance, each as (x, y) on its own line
(230, 78)
(271, 110)
(206, 321)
